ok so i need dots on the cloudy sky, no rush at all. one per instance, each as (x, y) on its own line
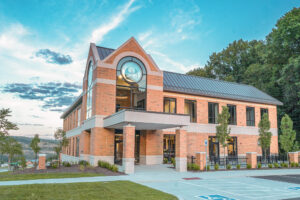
(44, 44)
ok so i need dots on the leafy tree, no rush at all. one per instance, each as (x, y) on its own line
(35, 146)
(222, 130)
(23, 162)
(12, 148)
(288, 135)
(61, 136)
(264, 134)
(6, 125)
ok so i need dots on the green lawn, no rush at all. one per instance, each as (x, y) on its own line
(8, 176)
(87, 191)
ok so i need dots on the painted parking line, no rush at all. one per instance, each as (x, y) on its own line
(214, 197)
(294, 188)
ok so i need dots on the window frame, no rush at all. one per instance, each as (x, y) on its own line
(169, 99)
(230, 121)
(215, 117)
(250, 122)
(262, 111)
(89, 91)
(193, 119)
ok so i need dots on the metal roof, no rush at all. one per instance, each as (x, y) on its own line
(175, 82)
(104, 52)
(77, 101)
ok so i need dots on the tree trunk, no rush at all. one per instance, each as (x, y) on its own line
(9, 167)
(265, 150)
(35, 159)
(224, 158)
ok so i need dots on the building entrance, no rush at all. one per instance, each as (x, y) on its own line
(119, 147)
(169, 146)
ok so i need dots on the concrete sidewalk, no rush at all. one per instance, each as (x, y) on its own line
(210, 185)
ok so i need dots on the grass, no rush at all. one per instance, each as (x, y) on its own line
(77, 191)
(9, 176)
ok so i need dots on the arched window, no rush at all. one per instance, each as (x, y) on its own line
(89, 93)
(131, 84)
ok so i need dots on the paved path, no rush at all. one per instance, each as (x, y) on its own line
(223, 185)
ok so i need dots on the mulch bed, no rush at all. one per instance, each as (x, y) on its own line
(72, 169)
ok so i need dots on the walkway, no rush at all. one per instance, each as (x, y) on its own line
(210, 185)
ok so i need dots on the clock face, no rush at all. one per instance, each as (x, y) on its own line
(131, 72)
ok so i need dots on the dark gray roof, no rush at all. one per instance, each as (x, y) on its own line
(104, 52)
(196, 85)
(76, 103)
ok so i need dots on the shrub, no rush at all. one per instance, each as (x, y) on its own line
(270, 165)
(259, 165)
(296, 164)
(228, 166)
(173, 162)
(108, 166)
(207, 167)
(81, 167)
(83, 162)
(66, 164)
(282, 164)
(238, 166)
(54, 165)
(249, 166)
(276, 165)
(166, 160)
(216, 166)
(193, 166)
(292, 164)
(286, 165)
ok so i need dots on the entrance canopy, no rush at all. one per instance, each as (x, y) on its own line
(145, 120)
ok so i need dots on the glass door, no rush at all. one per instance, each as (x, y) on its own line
(213, 148)
(169, 146)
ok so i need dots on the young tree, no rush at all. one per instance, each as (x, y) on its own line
(288, 135)
(12, 148)
(222, 130)
(264, 134)
(61, 136)
(6, 125)
(35, 146)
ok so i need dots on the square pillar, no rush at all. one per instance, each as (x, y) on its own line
(201, 160)
(42, 161)
(252, 159)
(151, 147)
(180, 150)
(293, 157)
(128, 149)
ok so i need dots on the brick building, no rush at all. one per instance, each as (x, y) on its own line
(130, 112)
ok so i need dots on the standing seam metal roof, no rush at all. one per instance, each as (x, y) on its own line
(175, 82)
(104, 52)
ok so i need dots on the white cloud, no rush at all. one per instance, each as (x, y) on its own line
(99, 33)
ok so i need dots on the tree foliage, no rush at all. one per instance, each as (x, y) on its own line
(264, 134)
(271, 65)
(5, 124)
(61, 136)
(11, 148)
(288, 135)
(35, 146)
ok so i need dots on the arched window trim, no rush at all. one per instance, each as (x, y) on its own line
(89, 91)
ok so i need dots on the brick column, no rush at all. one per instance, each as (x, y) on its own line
(128, 148)
(180, 151)
(293, 157)
(42, 161)
(201, 160)
(252, 159)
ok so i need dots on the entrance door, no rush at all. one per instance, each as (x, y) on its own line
(169, 147)
(213, 148)
(119, 146)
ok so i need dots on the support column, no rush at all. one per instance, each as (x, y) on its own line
(128, 149)
(180, 151)
(42, 161)
(151, 147)
(252, 159)
(201, 160)
(293, 157)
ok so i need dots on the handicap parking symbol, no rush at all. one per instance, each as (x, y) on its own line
(294, 188)
(214, 197)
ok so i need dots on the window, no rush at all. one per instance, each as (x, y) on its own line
(190, 109)
(89, 94)
(232, 147)
(250, 116)
(213, 111)
(77, 147)
(232, 112)
(213, 146)
(78, 116)
(169, 105)
(263, 111)
(131, 84)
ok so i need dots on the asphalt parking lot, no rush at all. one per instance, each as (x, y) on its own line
(290, 178)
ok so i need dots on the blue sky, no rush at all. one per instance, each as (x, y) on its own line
(44, 44)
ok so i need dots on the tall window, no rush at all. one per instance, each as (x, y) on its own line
(131, 84)
(250, 116)
(213, 111)
(232, 112)
(232, 146)
(169, 105)
(263, 111)
(78, 116)
(89, 99)
(77, 146)
(190, 109)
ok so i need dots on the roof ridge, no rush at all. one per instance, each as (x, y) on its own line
(105, 47)
(209, 78)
